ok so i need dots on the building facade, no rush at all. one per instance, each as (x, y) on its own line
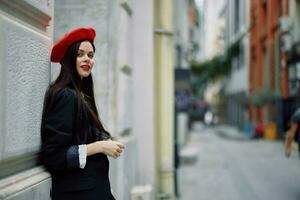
(185, 38)
(211, 44)
(268, 75)
(134, 55)
(26, 29)
(290, 48)
(236, 87)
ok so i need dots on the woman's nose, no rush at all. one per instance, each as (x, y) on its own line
(86, 57)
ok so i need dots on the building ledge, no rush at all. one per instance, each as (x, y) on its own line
(22, 181)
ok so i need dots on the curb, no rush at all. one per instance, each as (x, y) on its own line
(232, 134)
(188, 155)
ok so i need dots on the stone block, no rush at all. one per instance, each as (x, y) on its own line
(37, 13)
(68, 15)
(33, 184)
(44, 6)
(24, 78)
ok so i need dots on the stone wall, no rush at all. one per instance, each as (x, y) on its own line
(123, 78)
(111, 74)
(25, 40)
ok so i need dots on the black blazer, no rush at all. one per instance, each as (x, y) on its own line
(59, 153)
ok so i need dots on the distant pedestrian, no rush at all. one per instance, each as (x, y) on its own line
(293, 133)
(75, 144)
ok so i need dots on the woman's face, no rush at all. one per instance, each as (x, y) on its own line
(85, 59)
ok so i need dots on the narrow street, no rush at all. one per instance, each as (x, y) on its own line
(229, 168)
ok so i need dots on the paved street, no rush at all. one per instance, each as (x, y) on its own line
(233, 168)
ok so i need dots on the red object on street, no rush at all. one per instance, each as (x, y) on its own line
(259, 129)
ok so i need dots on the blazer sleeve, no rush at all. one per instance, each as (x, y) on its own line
(58, 151)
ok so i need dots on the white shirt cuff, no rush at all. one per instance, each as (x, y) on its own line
(82, 155)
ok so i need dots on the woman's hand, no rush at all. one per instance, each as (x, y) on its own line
(288, 152)
(290, 138)
(108, 147)
(288, 145)
(288, 149)
(111, 148)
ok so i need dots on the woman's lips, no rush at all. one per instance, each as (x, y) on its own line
(85, 67)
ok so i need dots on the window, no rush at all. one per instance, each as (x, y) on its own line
(236, 15)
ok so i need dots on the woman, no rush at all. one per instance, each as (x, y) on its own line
(293, 133)
(75, 144)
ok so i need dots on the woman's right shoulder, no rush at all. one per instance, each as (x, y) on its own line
(68, 93)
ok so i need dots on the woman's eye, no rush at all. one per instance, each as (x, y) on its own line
(91, 55)
(79, 54)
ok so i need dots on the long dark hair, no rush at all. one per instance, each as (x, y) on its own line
(84, 88)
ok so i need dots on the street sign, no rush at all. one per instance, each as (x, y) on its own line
(182, 90)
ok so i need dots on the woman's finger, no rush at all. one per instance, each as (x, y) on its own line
(288, 151)
(122, 146)
(116, 155)
(119, 150)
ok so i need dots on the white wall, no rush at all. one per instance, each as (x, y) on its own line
(125, 99)
(212, 25)
(294, 9)
(104, 17)
(239, 78)
(143, 88)
(123, 79)
(182, 31)
(25, 41)
(238, 81)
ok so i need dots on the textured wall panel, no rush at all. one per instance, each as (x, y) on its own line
(69, 14)
(41, 191)
(26, 69)
(2, 75)
(125, 54)
(43, 5)
(125, 101)
(123, 171)
(103, 16)
(33, 184)
(37, 13)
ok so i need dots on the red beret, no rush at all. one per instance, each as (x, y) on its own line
(61, 46)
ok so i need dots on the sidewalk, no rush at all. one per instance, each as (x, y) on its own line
(188, 154)
(201, 173)
(221, 163)
(230, 132)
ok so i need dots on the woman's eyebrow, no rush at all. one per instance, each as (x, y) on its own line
(84, 50)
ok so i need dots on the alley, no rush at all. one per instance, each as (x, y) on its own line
(230, 168)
